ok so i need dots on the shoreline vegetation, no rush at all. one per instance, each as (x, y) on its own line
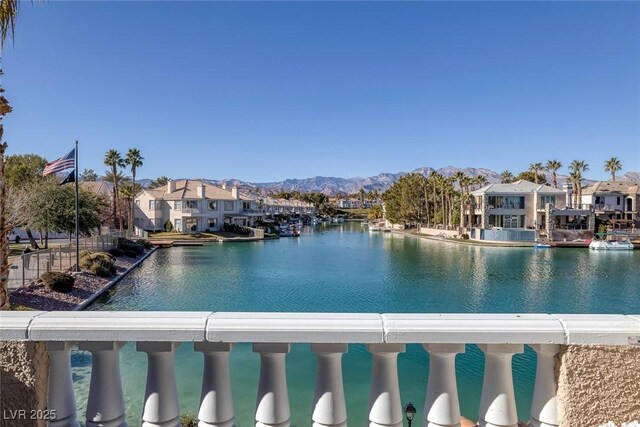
(86, 288)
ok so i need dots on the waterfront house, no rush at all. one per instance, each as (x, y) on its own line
(518, 211)
(190, 206)
(194, 205)
(614, 201)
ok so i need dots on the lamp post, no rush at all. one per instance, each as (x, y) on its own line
(409, 412)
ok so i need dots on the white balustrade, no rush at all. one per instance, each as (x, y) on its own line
(216, 402)
(329, 407)
(61, 399)
(498, 400)
(385, 408)
(544, 407)
(161, 408)
(499, 336)
(105, 405)
(272, 404)
(441, 406)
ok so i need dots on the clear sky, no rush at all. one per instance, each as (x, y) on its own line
(264, 91)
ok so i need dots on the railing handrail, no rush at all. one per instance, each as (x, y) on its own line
(366, 328)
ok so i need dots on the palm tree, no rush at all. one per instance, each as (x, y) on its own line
(577, 167)
(506, 177)
(460, 177)
(612, 165)
(553, 166)
(113, 160)
(134, 160)
(535, 168)
(8, 11)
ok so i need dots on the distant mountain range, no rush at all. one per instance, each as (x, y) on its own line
(380, 182)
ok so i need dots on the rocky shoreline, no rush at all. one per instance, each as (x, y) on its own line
(37, 297)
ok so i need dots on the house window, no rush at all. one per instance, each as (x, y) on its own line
(153, 205)
(138, 203)
(213, 205)
(228, 206)
(618, 201)
(177, 206)
(246, 206)
(191, 204)
(178, 224)
(212, 222)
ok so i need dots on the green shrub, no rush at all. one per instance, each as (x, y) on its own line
(99, 263)
(168, 226)
(126, 244)
(116, 252)
(465, 236)
(130, 253)
(188, 420)
(58, 281)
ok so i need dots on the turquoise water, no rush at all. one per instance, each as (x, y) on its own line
(343, 269)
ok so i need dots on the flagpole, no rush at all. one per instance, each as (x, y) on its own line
(77, 214)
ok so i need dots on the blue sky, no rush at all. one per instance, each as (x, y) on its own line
(263, 91)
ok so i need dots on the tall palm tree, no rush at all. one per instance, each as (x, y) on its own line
(576, 168)
(113, 160)
(612, 165)
(460, 177)
(506, 177)
(134, 160)
(552, 166)
(535, 168)
(8, 12)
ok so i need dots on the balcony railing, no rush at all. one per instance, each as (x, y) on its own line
(190, 210)
(158, 334)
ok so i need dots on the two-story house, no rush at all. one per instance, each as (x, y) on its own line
(614, 201)
(514, 211)
(190, 206)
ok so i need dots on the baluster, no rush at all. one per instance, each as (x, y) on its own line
(498, 402)
(105, 405)
(216, 400)
(544, 407)
(60, 391)
(329, 407)
(441, 405)
(385, 409)
(272, 404)
(161, 408)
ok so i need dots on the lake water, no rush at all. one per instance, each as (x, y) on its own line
(346, 269)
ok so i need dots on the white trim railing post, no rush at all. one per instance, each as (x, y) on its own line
(498, 401)
(272, 403)
(216, 400)
(385, 408)
(61, 398)
(329, 407)
(105, 404)
(544, 406)
(441, 405)
(161, 407)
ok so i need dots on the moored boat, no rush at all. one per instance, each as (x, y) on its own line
(619, 242)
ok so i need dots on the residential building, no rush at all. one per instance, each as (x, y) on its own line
(523, 210)
(616, 202)
(190, 206)
(194, 205)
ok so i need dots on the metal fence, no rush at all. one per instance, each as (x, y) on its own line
(28, 267)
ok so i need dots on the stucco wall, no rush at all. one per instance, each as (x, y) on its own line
(597, 384)
(23, 382)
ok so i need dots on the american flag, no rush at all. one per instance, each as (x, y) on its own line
(60, 164)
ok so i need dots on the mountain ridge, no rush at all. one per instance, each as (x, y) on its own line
(333, 185)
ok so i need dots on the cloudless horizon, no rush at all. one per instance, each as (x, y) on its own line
(264, 91)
